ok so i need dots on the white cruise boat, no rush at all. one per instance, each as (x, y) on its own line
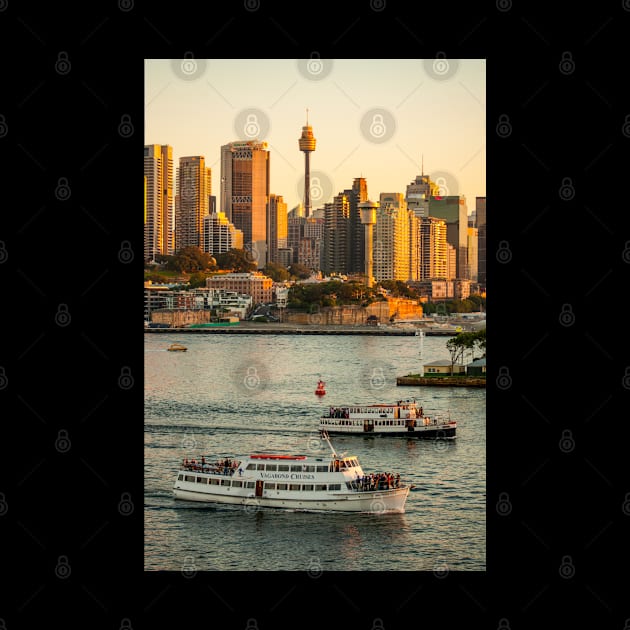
(335, 483)
(403, 418)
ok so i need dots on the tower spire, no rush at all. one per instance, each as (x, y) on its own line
(422, 164)
(307, 116)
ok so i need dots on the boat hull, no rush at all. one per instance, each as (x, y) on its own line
(422, 433)
(373, 502)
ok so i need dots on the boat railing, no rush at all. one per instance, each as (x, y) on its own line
(376, 481)
(216, 468)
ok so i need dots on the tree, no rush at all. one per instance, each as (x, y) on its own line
(456, 347)
(237, 260)
(197, 279)
(276, 272)
(300, 271)
(190, 259)
(463, 341)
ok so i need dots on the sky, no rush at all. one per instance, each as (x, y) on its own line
(381, 119)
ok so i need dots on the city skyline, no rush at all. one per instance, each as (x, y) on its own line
(384, 120)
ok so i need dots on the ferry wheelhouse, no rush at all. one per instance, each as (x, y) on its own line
(404, 418)
(334, 483)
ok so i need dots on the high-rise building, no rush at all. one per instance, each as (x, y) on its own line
(310, 246)
(472, 253)
(245, 193)
(219, 235)
(480, 224)
(159, 224)
(356, 230)
(419, 191)
(433, 249)
(391, 239)
(307, 146)
(194, 186)
(276, 226)
(453, 210)
(336, 230)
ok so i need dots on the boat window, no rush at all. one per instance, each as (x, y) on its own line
(214, 482)
(307, 486)
(250, 484)
(260, 467)
(294, 486)
(320, 486)
(225, 482)
(334, 486)
(180, 477)
(272, 467)
(190, 477)
(202, 480)
(237, 484)
(270, 485)
(251, 467)
(283, 466)
(322, 468)
(309, 468)
(342, 464)
(282, 486)
(296, 468)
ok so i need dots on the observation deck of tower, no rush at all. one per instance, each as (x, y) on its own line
(307, 144)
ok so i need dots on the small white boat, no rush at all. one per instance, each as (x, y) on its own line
(310, 483)
(403, 418)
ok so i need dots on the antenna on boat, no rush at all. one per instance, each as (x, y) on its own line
(324, 435)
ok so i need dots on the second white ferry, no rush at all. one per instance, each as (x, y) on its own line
(404, 418)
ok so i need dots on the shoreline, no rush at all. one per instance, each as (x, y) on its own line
(272, 328)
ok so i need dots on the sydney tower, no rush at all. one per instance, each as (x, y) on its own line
(307, 144)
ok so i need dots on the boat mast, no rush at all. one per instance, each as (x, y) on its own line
(324, 435)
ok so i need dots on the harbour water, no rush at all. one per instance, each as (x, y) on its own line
(237, 394)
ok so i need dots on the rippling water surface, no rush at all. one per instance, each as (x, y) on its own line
(236, 394)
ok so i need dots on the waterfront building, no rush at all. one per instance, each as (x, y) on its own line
(259, 286)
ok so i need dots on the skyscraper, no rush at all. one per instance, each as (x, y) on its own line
(194, 186)
(453, 210)
(336, 228)
(307, 145)
(434, 250)
(245, 193)
(391, 239)
(480, 224)
(276, 226)
(356, 230)
(159, 225)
